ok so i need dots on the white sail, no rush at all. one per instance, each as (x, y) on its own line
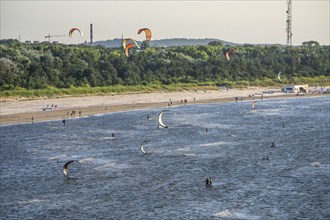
(279, 76)
(142, 146)
(160, 121)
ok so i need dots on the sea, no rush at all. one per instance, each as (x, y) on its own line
(272, 162)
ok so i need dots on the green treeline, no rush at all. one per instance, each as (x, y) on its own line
(57, 66)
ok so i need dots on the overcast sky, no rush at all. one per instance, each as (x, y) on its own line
(238, 21)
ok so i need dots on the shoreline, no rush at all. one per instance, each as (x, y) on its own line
(15, 112)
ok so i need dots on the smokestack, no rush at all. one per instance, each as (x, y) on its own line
(91, 34)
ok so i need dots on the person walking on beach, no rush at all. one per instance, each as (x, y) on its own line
(32, 119)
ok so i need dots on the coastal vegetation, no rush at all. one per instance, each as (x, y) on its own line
(44, 69)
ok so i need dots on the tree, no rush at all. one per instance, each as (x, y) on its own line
(9, 73)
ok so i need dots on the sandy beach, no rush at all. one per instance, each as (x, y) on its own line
(23, 111)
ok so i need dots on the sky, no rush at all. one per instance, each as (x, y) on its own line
(238, 21)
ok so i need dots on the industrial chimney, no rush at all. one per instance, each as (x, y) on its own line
(91, 34)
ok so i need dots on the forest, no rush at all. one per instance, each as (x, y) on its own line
(47, 66)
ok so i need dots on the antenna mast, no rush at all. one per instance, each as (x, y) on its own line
(289, 24)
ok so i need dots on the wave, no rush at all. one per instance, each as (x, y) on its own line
(32, 201)
(106, 166)
(213, 144)
(58, 157)
(88, 159)
(235, 215)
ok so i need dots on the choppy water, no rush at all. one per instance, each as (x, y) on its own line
(114, 180)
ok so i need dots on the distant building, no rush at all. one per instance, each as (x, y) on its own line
(35, 42)
(295, 88)
(28, 42)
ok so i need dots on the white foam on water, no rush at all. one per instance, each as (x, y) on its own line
(31, 201)
(239, 215)
(236, 215)
(315, 164)
(225, 213)
(213, 144)
(184, 149)
(107, 138)
(85, 160)
(106, 166)
(59, 157)
(191, 155)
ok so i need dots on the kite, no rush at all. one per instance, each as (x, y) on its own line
(128, 47)
(74, 29)
(147, 32)
(229, 52)
(127, 40)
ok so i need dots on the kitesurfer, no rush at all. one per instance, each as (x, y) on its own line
(148, 117)
(208, 182)
(273, 144)
(63, 121)
(206, 130)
